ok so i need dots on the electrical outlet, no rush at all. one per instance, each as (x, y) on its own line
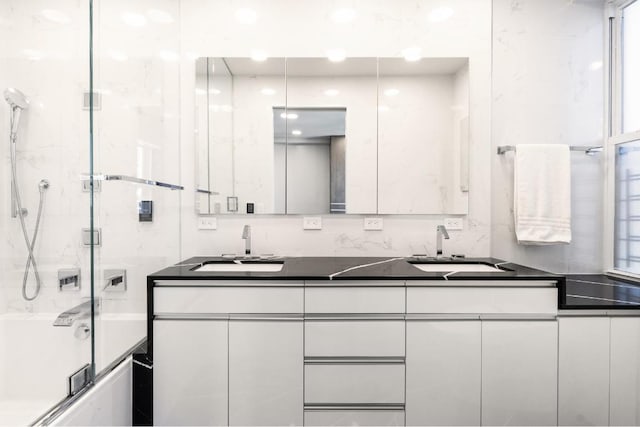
(453, 223)
(372, 224)
(207, 223)
(312, 223)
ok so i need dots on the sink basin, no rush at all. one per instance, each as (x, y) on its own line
(240, 267)
(448, 267)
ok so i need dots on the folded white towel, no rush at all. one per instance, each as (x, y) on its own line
(542, 194)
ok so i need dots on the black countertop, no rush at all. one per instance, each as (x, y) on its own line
(576, 292)
(600, 292)
(352, 268)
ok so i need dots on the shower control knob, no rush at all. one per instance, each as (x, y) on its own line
(82, 332)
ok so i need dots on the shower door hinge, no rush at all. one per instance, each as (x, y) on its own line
(79, 379)
(97, 237)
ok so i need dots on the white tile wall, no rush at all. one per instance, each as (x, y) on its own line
(544, 90)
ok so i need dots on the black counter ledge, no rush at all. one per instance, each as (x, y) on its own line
(600, 292)
(351, 268)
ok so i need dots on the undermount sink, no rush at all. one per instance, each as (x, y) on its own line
(241, 266)
(449, 267)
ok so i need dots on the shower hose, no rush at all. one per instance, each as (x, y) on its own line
(31, 259)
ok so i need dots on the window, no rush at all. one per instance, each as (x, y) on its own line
(624, 142)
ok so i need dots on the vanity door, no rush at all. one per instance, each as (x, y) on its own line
(265, 370)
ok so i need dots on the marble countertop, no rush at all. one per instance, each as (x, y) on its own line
(598, 291)
(354, 268)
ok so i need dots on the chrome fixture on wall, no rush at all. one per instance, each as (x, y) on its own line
(18, 102)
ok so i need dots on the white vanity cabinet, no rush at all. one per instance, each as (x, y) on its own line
(190, 372)
(583, 370)
(354, 353)
(228, 353)
(481, 353)
(625, 371)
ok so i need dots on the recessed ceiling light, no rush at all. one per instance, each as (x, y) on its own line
(246, 16)
(160, 16)
(440, 14)
(200, 91)
(168, 55)
(55, 16)
(214, 91)
(412, 54)
(296, 132)
(268, 91)
(118, 55)
(336, 55)
(259, 55)
(331, 92)
(391, 92)
(343, 15)
(291, 116)
(227, 108)
(383, 108)
(134, 19)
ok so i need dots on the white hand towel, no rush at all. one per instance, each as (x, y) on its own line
(542, 194)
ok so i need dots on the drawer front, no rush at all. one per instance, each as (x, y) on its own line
(192, 300)
(353, 418)
(352, 384)
(354, 300)
(483, 300)
(327, 338)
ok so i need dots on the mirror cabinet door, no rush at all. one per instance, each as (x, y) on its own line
(331, 136)
(423, 136)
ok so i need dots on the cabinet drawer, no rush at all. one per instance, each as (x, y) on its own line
(326, 338)
(191, 300)
(491, 300)
(354, 299)
(335, 384)
(353, 417)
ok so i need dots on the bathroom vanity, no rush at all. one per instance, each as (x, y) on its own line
(373, 341)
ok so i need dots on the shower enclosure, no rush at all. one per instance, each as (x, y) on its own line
(89, 121)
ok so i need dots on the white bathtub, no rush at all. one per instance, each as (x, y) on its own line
(36, 358)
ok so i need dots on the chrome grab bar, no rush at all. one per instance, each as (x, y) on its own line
(589, 150)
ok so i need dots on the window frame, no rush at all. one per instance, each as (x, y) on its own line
(614, 135)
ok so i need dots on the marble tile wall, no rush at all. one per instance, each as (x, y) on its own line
(542, 91)
(548, 88)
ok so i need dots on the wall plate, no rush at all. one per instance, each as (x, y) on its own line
(312, 223)
(453, 223)
(373, 224)
(207, 223)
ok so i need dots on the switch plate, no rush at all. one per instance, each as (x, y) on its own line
(207, 223)
(372, 224)
(312, 223)
(453, 223)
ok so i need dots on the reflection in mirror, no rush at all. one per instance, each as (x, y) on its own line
(310, 145)
(350, 85)
(423, 142)
(235, 155)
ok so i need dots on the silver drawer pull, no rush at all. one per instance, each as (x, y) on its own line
(347, 316)
(354, 407)
(354, 360)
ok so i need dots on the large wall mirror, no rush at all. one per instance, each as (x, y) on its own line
(310, 136)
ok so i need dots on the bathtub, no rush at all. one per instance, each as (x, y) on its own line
(36, 358)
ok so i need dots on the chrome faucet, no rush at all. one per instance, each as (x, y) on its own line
(246, 235)
(80, 311)
(441, 231)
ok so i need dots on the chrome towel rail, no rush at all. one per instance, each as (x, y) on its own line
(589, 150)
(136, 180)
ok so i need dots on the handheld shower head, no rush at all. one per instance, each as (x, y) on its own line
(43, 185)
(18, 102)
(15, 98)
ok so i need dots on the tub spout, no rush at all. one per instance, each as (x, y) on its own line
(81, 311)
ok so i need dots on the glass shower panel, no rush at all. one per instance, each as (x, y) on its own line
(45, 327)
(136, 145)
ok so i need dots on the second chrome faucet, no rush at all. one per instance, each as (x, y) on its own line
(441, 231)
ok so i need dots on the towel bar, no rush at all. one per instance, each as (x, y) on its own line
(590, 150)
